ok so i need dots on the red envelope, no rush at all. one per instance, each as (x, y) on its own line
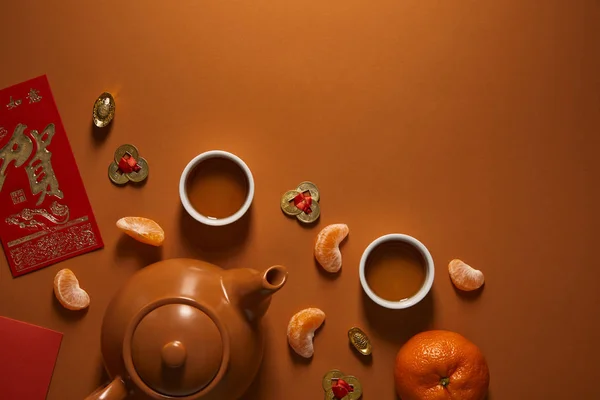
(45, 215)
(28, 354)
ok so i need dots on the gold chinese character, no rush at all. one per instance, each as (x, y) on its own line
(41, 174)
(34, 96)
(3, 132)
(18, 149)
(13, 103)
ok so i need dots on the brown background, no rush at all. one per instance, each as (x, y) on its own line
(470, 125)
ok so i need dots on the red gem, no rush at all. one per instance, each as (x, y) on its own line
(341, 388)
(303, 202)
(128, 164)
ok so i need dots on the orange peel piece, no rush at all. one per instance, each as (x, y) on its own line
(465, 277)
(142, 229)
(327, 246)
(301, 330)
(68, 292)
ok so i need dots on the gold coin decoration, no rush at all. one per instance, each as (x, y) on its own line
(313, 216)
(126, 149)
(336, 374)
(311, 187)
(139, 176)
(360, 341)
(115, 175)
(305, 188)
(104, 110)
(119, 177)
(286, 207)
(329, 376)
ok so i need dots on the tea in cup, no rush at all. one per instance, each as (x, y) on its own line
(396, 271)
(216, 188)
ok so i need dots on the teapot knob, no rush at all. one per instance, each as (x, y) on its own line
(174, 354)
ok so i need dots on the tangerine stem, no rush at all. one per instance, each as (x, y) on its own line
(445, 381)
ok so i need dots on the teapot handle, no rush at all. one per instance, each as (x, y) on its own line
(115, 390)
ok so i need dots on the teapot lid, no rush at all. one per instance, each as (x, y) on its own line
(177, 349)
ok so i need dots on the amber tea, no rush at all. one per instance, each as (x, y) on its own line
(217, 187)
(395, 270)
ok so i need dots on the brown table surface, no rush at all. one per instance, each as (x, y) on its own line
(470, 125)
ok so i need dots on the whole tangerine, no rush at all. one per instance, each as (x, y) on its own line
(441, 365)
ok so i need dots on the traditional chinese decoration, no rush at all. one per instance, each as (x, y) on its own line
(51, 246)
(34, 96)
(39, 170)
(18, 197)
(42, 179)
(13, 103)
(58, 215)
(127, 166)
(18, 149)
(302, 202)
(360, 341)
(338, 386)
(104, 110)
(45, 216)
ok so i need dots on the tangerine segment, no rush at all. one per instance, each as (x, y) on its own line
(465, 277)
(68, 292)
(327, 250)
(142, 229)
(301, 330)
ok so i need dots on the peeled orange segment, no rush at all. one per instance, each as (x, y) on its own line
(142, 229)
(327, 246)
(68, 292)
(465, 277)
(301, 330)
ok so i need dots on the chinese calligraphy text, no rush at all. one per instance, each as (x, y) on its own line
(42, 178)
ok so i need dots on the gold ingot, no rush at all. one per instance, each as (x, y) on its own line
(104, 110)
(360, 341)
(312, 188)
(313, 216)
(336, 374)
(288, 208)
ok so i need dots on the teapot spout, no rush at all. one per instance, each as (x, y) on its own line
(253, 289)
(273, 278)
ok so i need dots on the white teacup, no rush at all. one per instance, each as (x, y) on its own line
(428, 264)
(186, 201)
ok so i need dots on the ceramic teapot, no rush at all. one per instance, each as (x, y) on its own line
(186, 329)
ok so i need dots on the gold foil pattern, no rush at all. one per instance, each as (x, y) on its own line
(55, 245)
(18, 149)
(13, 103)
(26, 218)
(34, 96)
(42, 179)
(39, 170)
